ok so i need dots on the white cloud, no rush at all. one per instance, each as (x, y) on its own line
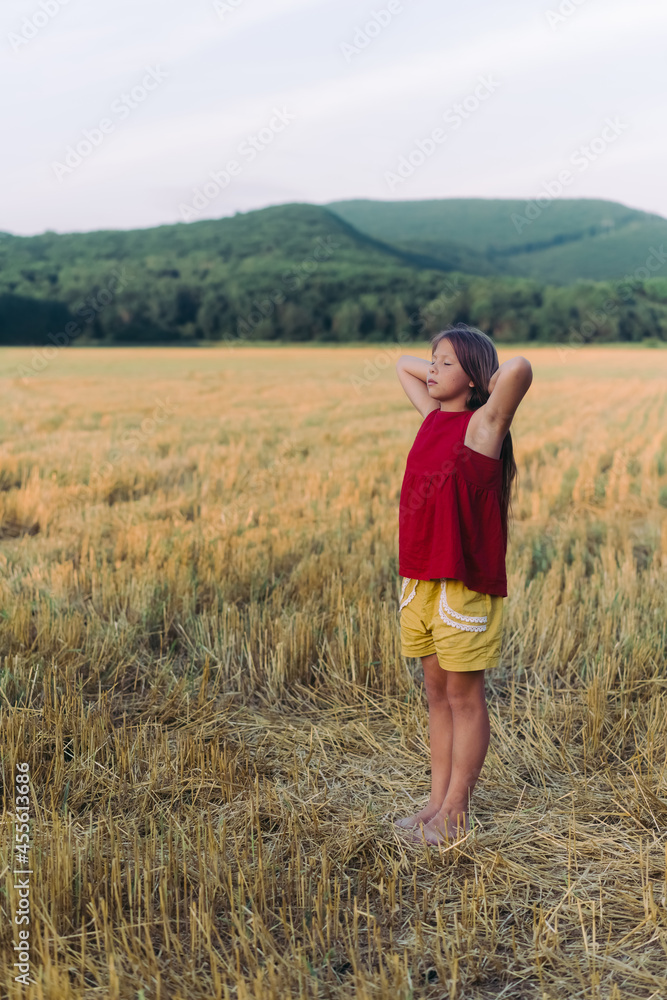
(353, 120)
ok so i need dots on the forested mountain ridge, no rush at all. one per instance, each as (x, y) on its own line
(204, 280)
(558, 240)
(292, 272)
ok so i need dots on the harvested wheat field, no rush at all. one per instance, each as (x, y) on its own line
(201, 667)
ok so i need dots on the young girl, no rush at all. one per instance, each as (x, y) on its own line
(453, 529)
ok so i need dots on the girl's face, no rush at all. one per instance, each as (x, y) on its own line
(447, 381)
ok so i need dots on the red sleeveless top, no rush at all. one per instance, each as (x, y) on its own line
(450, 522)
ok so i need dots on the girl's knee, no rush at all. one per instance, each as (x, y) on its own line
(435, 679)
(436, 694)
(465, 691)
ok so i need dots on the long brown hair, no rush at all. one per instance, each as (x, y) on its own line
(477, 355)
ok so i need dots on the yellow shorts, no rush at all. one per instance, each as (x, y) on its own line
(462, 626)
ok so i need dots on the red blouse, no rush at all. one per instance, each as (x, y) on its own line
(450, 522)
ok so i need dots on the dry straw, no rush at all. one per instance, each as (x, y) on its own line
(220, 726)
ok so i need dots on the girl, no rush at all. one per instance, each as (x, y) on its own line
(453, 525)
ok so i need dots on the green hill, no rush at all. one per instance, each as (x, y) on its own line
(293, 271)
(558, 242)
(301, 272)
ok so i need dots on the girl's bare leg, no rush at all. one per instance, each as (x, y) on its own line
(440, 729)
(470, 741)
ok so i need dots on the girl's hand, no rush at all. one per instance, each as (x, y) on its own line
(412, 374)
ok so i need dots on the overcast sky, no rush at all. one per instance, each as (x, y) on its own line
(121, 109)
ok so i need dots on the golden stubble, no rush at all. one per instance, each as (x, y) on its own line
(201, 663)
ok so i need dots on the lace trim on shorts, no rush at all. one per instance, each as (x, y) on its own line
(407, 600)
(445, 611)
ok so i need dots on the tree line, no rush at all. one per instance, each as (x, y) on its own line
(304, 276)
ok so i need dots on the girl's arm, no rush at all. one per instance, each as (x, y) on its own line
(412, 374)
(507, 387)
